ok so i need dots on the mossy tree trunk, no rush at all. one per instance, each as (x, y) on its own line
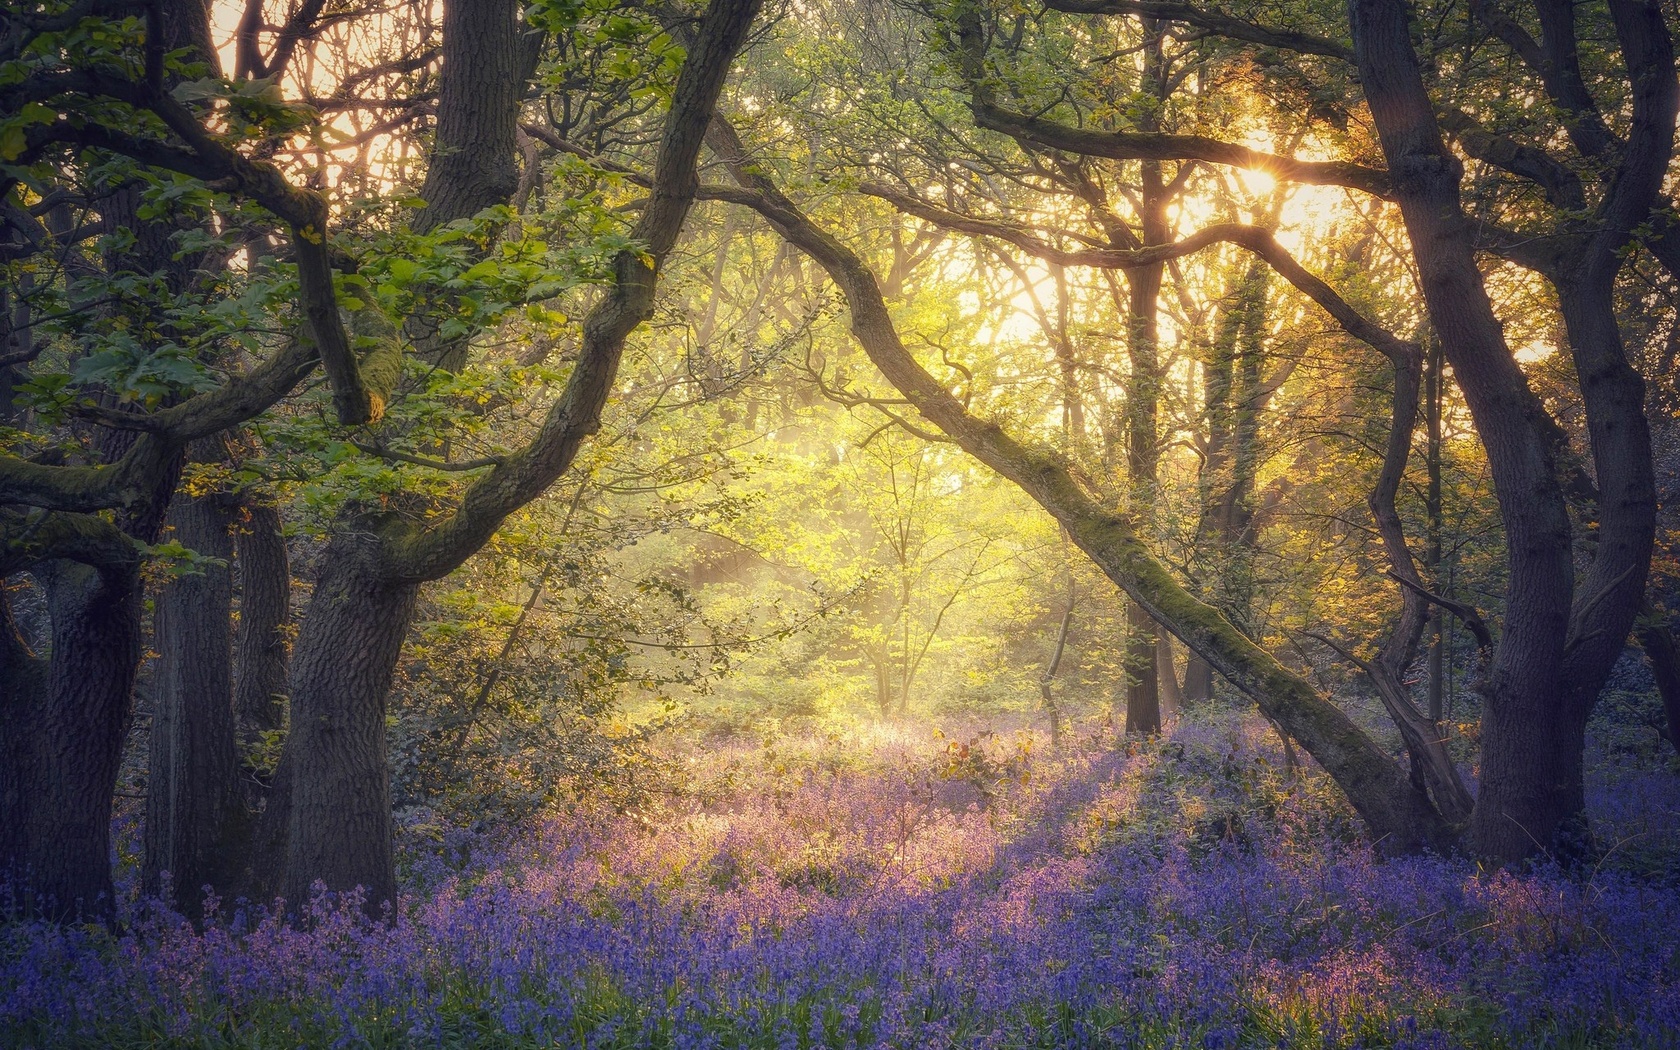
(1399, 816)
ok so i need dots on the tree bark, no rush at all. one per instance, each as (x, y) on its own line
(1143, 452)
(59, 798)
(489, 55)
(340, 804)
(265, 591)
(1433, 769)
(23, 698)
(195, 819)
(1231, 390)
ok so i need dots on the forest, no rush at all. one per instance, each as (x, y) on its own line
(839, 523)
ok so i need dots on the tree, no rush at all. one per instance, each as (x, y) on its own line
(101, 146)
(1531, 794)
(331, 792)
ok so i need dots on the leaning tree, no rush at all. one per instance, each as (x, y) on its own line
(1567, 186)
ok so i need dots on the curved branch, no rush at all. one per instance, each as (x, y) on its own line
(211, 160)
(1254, 239)
(522, 476)
(28, 538)
(1562, 186)
(1214, 22)
(1139, 145)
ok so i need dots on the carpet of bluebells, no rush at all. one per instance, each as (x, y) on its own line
(911, 891)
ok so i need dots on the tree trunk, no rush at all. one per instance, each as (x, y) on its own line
(1657, 640)
(1432, 765)
(195, 818)
(1231, 389)
(23, 698)
(75, 741)
(489, 54)
(335, 764)
(1555, 651)
(1143, 683)
(1172, 697)
(1198, 679)
(340, 819)
(1433, 395)
(265, 591)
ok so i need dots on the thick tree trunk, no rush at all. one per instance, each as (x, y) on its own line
(23, 698)
(340, 819)
(489, 54)
(196, 826)
(265, 592)
(61, 839)
(339, 792)
(75, 736)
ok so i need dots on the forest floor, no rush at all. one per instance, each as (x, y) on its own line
(887, 886)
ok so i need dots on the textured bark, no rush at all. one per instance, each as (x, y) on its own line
(340, 804)
(23, 698)
(265, 592)
(195, 819)
(74, 736)
(1143, 345)
(1519, 816)
(71, 735)
(1398, 815)
(487, 60)
(60, 832)
(264, 869)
